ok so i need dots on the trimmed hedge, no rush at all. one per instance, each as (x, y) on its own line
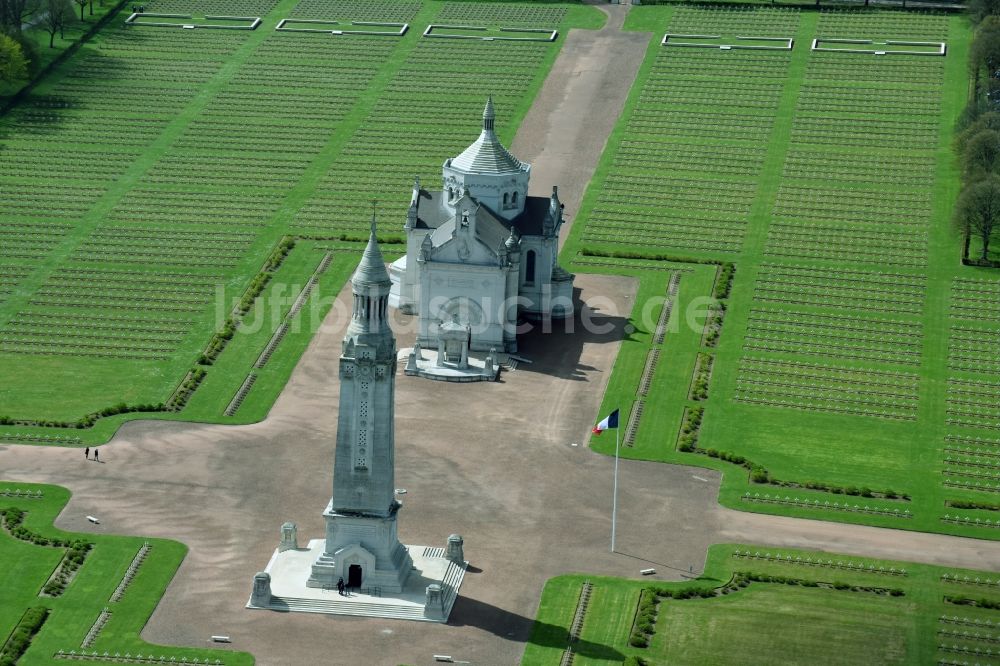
(13, 519)
(20, 638)
(759, 474)
(742, 578)
(714, 324)
(72, 561)
(982, 602)
(689, 429)
(254, 289)
(724, 283)
(702, 375)
(652, 256)
(966, 504)
(645, 619)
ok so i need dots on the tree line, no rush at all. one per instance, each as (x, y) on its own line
(19, 55)
(977, 213)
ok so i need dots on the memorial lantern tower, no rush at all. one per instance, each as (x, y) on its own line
(361, 542)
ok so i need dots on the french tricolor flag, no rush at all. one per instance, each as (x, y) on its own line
(609, 423)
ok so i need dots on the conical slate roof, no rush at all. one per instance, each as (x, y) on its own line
(371, 270)
(487, 154)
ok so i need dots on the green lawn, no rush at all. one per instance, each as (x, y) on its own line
(770, 622)
(25, 567)
(793, 626)
(128, 242)
(856, 366)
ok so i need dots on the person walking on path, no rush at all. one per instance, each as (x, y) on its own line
(96, 456)
(86, 453)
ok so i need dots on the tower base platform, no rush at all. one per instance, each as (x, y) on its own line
(290, 569)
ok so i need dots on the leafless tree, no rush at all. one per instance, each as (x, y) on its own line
(978, 210)
(56, 14)
(15, 13)
(981, 156)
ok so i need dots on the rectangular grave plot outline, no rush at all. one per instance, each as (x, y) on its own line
(430, 32)
(399, 28)
(133, 19)
(670, 39)
(941, 48)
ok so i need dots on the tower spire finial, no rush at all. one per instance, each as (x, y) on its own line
(371, 270)
(489, 115)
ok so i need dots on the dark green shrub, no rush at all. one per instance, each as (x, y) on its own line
(724, 282)
(689, 428)
(965, 504)
(627, 254)
(21, 637)
(13, 517)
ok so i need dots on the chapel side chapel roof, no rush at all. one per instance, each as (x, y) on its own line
(432, 213)
(490, 230)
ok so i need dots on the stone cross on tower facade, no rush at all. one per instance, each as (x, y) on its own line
(361, 542)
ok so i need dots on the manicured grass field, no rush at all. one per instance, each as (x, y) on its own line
(839, 610)
(855, 376)
(816, 625)
(25, 567)
(147, 182)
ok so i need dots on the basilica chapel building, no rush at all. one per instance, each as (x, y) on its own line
(481, 252)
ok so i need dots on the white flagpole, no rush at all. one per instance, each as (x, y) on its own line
(614, 501)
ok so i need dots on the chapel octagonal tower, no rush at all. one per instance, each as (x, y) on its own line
(487, 172)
